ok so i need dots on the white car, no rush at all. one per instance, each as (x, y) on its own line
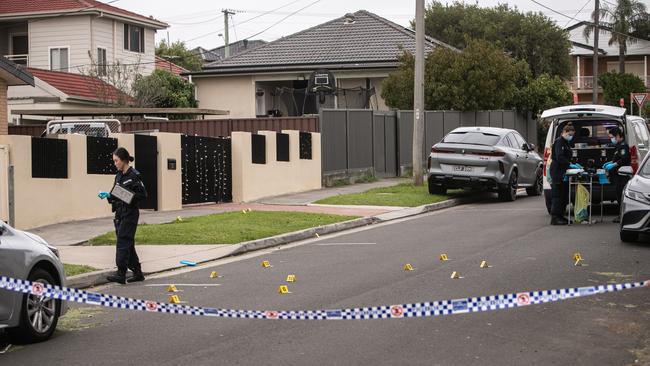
(591, 143)
(29, 318)
(635, 208)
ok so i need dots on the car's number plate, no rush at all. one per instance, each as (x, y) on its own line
(462, 168)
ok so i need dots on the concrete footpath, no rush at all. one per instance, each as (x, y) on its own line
(71, 237)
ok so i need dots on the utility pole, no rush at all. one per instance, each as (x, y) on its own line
(594, 98)
(418, 95)
(226, 14)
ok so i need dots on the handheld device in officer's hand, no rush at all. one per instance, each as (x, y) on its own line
(122, 194)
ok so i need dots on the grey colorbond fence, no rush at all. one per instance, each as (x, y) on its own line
(381, 141)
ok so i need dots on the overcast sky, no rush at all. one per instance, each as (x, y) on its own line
(199, 22)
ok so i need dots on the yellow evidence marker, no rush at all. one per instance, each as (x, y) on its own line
(214, 274)
(408, 267)
(172, 288)
(455, 275)
(577, 258)
(484, 264)
(283, 290)
(174, 299)
(291, 278)
(266, 264)
(443, 257)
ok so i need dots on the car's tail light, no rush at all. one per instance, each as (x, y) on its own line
(429, 163)
(437, 150)
(490, 153)
(634, 158)
(547, 154)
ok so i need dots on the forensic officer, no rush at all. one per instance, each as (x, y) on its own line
(559, 165)
(621, 158)
(126, 217)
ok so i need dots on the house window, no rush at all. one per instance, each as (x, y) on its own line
(133, 38)
(101, 61)
(59, 60)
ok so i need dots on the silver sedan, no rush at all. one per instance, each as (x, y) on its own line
(495, 159)
(26, 317)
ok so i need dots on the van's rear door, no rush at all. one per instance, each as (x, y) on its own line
(584, 111)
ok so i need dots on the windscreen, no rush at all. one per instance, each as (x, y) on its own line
(474, 138)
(590, 132)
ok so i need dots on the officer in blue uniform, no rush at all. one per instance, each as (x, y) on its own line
(126, 218)
(621, 158)
(561, 161)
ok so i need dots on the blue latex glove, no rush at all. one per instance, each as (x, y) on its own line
(610, 166)
(575, 166)
(606, 164)
(103, 195)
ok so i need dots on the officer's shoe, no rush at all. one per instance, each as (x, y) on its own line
(138, 276)
(118, 277)
(559, 221)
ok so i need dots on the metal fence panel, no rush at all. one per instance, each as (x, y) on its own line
(434, 129)
(509, 119)
(483, 118)
(379, 142)
(496, 119)
(405, 137)
(390, 139)
(334, 147)
(452, 121)
(468, 119)
(360, 139)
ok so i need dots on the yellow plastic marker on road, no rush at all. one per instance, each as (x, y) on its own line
(443, 257)
(174, 299)
(291, 278)
(484, 264)
(214, 274)
(172, 288)
(266, 264)
(408, 267)
(283, 290)
(577, 258)
(455, 275)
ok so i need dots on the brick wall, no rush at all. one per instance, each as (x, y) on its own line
(4, 129)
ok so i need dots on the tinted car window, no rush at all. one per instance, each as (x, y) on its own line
(641, 133)
(645, 169)
(511, 140)
(477, 138)
(520, 140)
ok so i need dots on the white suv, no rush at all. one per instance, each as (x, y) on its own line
(591, 143)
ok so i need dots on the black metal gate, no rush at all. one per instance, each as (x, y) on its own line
(206, 169)
(146, 162)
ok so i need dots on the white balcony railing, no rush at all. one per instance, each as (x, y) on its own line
(19, 59)
(587, 82)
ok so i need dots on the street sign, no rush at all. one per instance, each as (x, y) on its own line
(575, 98)
(640, 98)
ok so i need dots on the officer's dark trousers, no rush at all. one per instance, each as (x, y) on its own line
(620, 182)
(559, 198)
(126, 224)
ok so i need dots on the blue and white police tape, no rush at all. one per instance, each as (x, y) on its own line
(416, 310)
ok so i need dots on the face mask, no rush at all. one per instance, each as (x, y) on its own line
(613, 139)
(568, 138)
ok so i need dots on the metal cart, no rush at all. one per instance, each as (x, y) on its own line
(585, 178)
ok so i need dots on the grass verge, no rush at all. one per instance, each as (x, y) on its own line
(77, 269)
(225, 228)
(402, 195)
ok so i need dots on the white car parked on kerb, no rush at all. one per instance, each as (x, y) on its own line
(591, 143)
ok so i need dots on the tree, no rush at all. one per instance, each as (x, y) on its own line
(531, 37)
(397, 88)
(543, 93)
(619, 22)
(616, 86)
(178, 53)
(163, 89)
(112, 82)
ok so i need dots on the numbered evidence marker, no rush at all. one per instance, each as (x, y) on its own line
(214, 274)
(484, 264)
(266, 264)
(455, 275)
(291, 278)
(443, 257)
(408, 267)
(172, 288)
(283, 290)
(175, 299)
(577, 258)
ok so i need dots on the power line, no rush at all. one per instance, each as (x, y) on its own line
(195, 23)
(578, 13)
(283, 19)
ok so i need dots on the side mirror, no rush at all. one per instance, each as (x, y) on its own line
(531, 147)
(626, 171)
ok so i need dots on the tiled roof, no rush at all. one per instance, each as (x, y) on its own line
(77, 86)
(32, 7)
(162, 64)
(13, 74)
(368, 39)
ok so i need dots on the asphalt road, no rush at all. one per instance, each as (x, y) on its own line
(364, 268)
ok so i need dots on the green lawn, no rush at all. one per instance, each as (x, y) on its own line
(77, 269)
(225, 228)
(403, 195)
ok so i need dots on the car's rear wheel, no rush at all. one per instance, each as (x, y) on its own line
(538, 188)
(629, 236)
(38, 315)
(436, 189)
(508, 192)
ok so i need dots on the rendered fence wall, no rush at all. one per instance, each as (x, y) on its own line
(254, 181)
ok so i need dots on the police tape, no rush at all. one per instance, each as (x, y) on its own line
(415, 310)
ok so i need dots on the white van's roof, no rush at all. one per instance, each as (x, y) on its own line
(591, 110)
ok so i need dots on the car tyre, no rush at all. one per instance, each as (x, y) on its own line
(538, 188)
(508, 192)
(629, 236)
(34, 307)
(437, 189)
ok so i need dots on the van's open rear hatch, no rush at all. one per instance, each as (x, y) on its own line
(591, 142)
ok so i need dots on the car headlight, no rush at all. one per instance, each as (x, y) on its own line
(637, 196)
(40, 240)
